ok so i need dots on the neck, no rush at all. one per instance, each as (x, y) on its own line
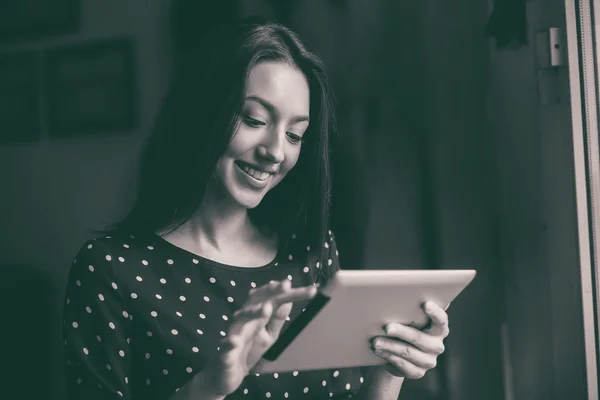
(219, 223)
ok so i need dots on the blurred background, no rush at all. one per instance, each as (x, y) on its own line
(451, 155)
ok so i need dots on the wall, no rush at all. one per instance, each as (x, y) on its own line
(55, 191)
(537, 224)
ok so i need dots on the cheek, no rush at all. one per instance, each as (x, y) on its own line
(291, 159)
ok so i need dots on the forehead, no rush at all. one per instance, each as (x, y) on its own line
(282, 85)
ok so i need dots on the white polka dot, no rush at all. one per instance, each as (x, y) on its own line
(120, 394)
(257, 374)
(212, 280)
(138, 278)
(224, 317)
(202, 316)
(126, 380)
(121, 353)
(330, 394)
(223, 333)
(125, 314)
(78, 282)
(318, 265)
(144, 262)
(91, 268)
(170, 262)
(101, 297)
(128, 340)
(290, 277)
(147, 381)
(75, 324)
(154, 314)
(189, 370)
(98, 338)
(150, 248)
(361, 380)
(275, 375)
(326, 245)
(329, 262)
(206, 298)
(158, 296)
(293, 236)
(126, 246)
(337, 253)
(230, 299)
(195, 261)
(268, 395)
(174, 331)
(108, 367)
(108, 257)
(199, 331)
(348, 386)
(253, 284)
(195, 349)
(245, 391)
(232, 283)
(133, 296)
(121, 259)
(169, 351)
(288, 318)
(290, 257)
(163, 280)
(149, 334)
(329, 231)
(89, 246)
(286, 395)
(165, 372)
(85, 351)
(114, 286)
(182, 298)
(295, 373)
(68, 301)
(147, 356)
(188, 280)
(112, 326)
(305, 390)
(305, 270)
(179, 314)
(324, 383)
(336, 374)
(88, 309)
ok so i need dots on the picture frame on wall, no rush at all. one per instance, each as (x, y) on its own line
(20, 118)
(91, 88)
(33, 19)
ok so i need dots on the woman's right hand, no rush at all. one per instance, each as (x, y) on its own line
(254, 328)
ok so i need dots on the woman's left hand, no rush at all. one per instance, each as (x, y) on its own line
(411, 352)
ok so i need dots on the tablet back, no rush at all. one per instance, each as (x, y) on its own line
(336, 327)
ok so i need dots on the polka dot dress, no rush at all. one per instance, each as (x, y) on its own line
(142, 316)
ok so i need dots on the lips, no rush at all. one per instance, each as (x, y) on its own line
(254, 171)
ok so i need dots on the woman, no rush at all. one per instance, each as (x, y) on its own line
(181, 298)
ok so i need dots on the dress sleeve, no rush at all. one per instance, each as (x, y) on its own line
(96, 328)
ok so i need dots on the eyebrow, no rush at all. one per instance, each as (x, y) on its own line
(273, 110)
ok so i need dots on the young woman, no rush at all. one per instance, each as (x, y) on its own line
(181, 298)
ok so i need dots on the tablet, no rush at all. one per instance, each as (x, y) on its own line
(335, 328)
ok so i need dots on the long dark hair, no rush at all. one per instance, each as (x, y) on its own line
(198, 119)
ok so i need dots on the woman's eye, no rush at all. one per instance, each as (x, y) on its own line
(294, 139)
(253, 123)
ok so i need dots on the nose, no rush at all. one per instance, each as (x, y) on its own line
(272, 146)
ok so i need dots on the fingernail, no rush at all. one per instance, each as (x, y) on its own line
(376, 343)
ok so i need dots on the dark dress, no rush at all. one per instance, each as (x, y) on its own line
(142, 316)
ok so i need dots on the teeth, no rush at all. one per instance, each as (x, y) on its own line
(261, 176)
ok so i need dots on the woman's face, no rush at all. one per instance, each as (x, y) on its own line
(267, 143)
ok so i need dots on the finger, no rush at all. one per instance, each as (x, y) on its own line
(248, 321)
(422, 340)
(403, 368)
(439, 319)
(406, 351)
